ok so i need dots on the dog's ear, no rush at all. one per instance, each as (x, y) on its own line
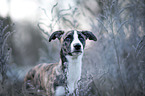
(56, 34)
(89, 35)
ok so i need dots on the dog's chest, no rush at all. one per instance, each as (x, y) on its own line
(73, 72)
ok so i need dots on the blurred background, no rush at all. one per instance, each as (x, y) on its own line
(115, 63)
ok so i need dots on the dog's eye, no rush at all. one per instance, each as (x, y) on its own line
(81, 38)
(67, 38)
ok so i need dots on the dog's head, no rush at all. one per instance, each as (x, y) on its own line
(73, 42)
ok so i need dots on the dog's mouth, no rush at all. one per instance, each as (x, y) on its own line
(76, 52)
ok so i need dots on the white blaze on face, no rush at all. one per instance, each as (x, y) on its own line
(75, 41)
(74, 65)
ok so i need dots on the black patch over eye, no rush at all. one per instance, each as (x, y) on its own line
(68, 38)
(80, 37)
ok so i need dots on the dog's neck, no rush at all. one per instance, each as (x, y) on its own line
(73, 72)
(71, 67)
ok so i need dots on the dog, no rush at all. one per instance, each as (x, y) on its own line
(61, 78)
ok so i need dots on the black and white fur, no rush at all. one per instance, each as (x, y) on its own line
(72, 48)
(57, 79)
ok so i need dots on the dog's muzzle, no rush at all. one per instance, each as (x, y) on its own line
(77, 49)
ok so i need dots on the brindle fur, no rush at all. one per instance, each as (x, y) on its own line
(47, 77)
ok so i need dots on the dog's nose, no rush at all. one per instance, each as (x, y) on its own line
(77, 46)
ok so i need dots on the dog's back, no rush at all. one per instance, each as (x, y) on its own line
(62, 78)
(42, 78)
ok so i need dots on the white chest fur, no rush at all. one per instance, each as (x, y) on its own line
(73, 72)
